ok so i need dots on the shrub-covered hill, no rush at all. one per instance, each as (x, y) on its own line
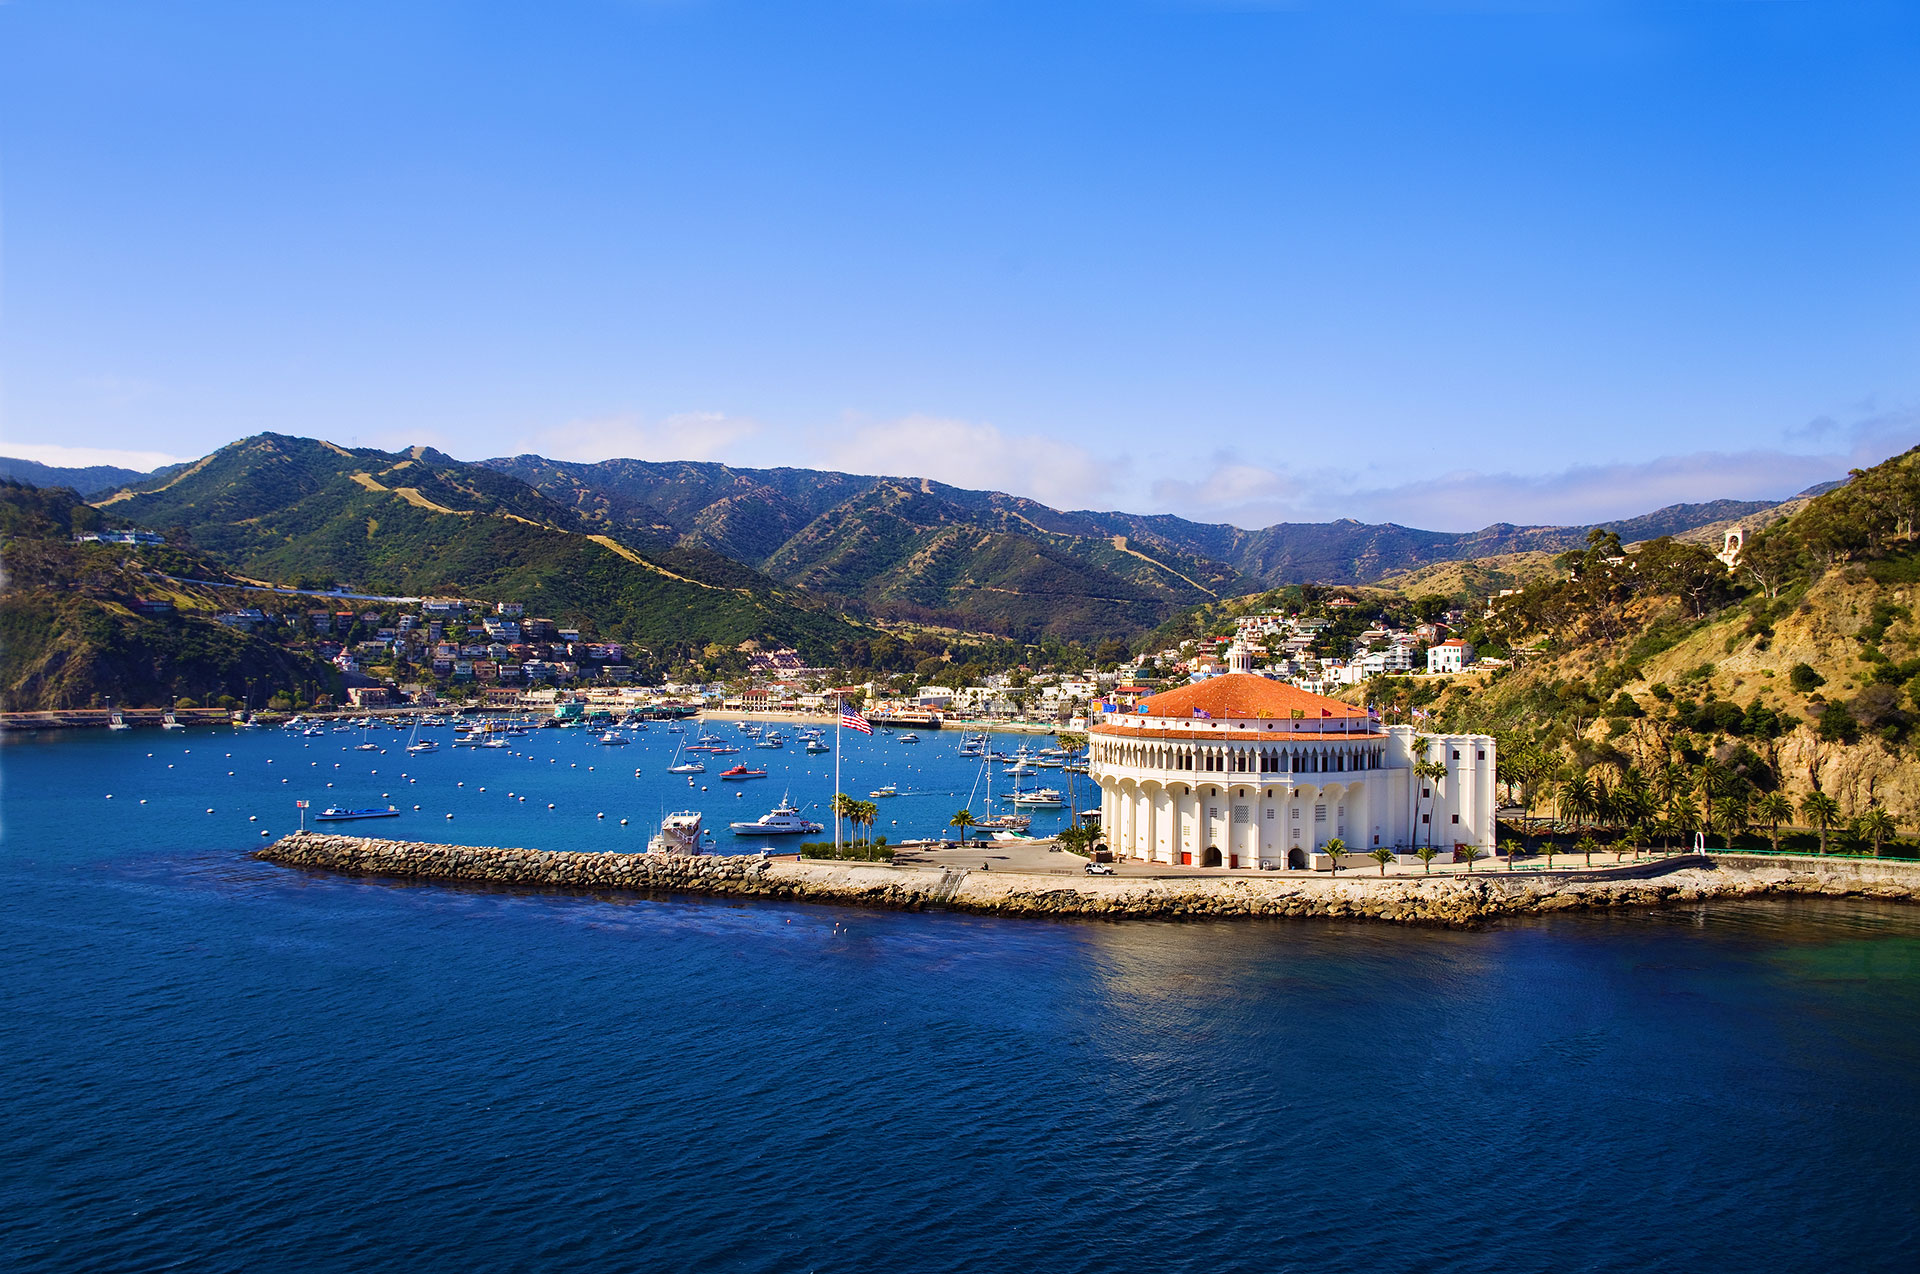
(1659, 671)
(70, 636)
(419, 523)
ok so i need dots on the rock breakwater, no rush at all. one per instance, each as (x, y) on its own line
(1453, 901)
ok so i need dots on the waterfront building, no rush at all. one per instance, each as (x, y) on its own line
(1241, 772)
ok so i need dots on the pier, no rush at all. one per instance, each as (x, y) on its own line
(1456, 901)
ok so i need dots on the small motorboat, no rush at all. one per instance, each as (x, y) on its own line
(742, 772)
(888, 790)
(815, 745)
(908, 738)
(336, 814)
(366, 747)
(613, 739)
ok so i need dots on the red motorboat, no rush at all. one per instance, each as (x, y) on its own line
(742, 772)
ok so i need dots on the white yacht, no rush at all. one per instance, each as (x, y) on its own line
(1043, 798)
(783, 820)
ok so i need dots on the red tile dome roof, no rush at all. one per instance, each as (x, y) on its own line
(1242, 696)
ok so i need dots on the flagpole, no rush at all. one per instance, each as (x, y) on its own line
(839, 715)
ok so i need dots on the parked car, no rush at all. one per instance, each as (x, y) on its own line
(1099, 869)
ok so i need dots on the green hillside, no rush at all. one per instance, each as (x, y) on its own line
(1658, 670)
(70, 636)
(419, 523)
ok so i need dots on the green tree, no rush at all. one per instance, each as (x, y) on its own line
(1773, 809)
(1547, 847)
(1430, 774)
(1821, 810)
(1471, 854)
(1876, 827)
(962, 820)
(1335, 849)
(843, 807)
(1579, 800)
(1586, 845)
(1426, 854)
(1383, 856)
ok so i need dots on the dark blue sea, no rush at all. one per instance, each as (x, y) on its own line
(215, 1064)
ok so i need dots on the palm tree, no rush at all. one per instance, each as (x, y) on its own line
(1512, 849)
(962, 820)
(1547, 847)
(1471, 854)
(1430, 773)
(1586, 845)
(1425, 854)
(1876, 826)
(1383, 856)
(1336, 849)
(1076, 840)
(1578, 799)
(1821, 810)
(843, 807)
(1730, 812)
(1773, 809)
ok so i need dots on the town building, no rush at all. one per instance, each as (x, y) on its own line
(1449, 656)
(1241, 772)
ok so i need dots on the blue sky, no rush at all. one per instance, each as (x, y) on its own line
(1436, 263)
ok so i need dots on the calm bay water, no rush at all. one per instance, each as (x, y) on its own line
(217, 1064)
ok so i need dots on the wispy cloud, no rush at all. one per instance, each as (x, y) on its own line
(694, 435)
(966, 453)
(60, 457)
(1254, 496)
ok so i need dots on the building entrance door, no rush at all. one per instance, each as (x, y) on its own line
(1186, 858)
(1211, 858)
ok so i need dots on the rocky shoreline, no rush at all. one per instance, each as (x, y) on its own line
(1451, 901)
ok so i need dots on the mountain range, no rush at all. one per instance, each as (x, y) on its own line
(686, 552)
(911, 548)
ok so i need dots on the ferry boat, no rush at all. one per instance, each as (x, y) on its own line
(680, 833)
(783, 820)
(337, 814)
(888, 790)
(742, 772)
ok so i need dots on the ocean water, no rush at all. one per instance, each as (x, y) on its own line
(217, 1064)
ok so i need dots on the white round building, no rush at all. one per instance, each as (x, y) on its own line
(1241, 772)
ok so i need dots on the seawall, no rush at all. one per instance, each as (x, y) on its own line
(1454, 901)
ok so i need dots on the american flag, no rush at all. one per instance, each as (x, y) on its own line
(302, 804)
(1201, 714)
(851, 720)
